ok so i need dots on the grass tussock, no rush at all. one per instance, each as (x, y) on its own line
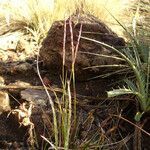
(40, 14)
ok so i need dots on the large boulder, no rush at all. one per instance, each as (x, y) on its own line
(51, 51)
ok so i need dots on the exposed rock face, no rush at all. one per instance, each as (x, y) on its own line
(52, 47)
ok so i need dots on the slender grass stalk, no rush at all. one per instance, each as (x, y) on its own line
(73, 69)
(107, 66)
(101, 55)
(72, 76)
(66, 146)
(52, 106)
(63, 67)
(148, 75)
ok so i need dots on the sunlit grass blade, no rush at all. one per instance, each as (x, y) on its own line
(118, 92)
(106, 66)
(102, 55)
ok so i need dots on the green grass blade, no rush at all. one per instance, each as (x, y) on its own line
(118, 92)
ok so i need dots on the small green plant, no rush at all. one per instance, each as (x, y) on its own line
(138, 60)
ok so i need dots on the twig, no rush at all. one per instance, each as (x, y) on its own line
(132, 124)
(5, 87)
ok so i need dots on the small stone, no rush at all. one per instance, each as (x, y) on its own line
(20, 83)
(38, 97)
(4, 102)
(2, 80)
(22, 67)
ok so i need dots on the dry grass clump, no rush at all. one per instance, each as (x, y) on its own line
(40, 14)
(33, 14)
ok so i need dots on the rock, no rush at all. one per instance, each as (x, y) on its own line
(22, 68)
(51, 51)
(18, 84)
(4, 98)
(2, 80)
(15, 67)
(9, 41)
(4, 102)
(38, 97)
